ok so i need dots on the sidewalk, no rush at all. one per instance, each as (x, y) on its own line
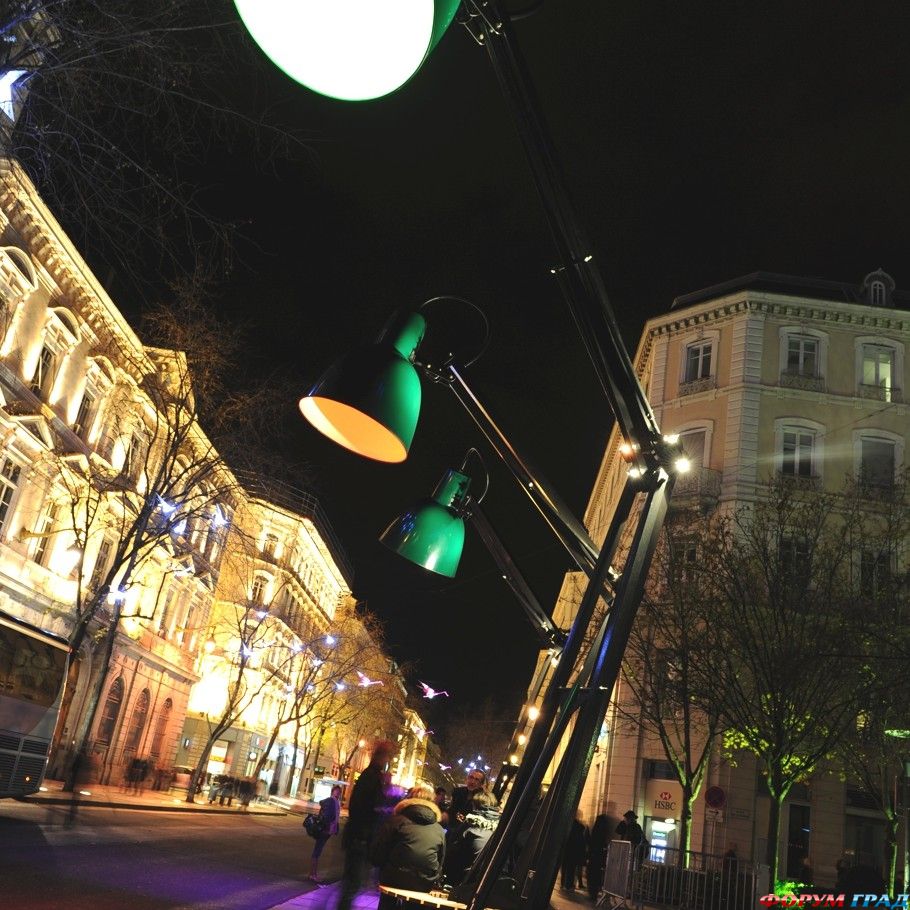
(113, 797)
(326, 898)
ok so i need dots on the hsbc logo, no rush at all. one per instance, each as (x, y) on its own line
(665, 801)
(666, 794)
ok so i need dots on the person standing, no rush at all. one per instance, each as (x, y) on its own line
(597, 854)
(471, 837)
(410, 847)
(330, 813)
(461, 796)
(441, 798)
(364, 815)
(629, 829)
(574, 854)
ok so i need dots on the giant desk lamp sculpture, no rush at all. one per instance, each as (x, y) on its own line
(313, 32)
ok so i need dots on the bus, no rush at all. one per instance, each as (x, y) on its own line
(33, 670)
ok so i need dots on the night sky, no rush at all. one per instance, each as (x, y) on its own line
(701, 141)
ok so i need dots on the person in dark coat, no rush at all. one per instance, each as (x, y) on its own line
(629, 829)
(410, 847)
(364, 814)
(330, 813)
(470, 836)
(461, 796)
(574, 854)
(597, 854)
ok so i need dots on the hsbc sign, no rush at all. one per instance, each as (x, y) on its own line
(663, 798)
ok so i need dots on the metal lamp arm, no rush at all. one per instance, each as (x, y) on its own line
(576, 270)
(550, 636)
(571, 533)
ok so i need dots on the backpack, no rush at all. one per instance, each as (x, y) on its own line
(315, 825)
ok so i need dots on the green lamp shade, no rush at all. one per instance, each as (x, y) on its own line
(431, 534)
(353, 50)
(369, 401)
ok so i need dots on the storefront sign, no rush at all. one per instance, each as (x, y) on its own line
(663, 799)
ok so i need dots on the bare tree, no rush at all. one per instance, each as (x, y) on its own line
(876, 746)
(670, 658)
(482, 731)
(113, 107)
(341, 684)
(782, 567)
(151, 494)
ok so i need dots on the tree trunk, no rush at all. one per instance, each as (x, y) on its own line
(773, 837)
(293, 766)
(685, 823)
(260, 764)
(198, 771)
(80, 740)
(891, 852)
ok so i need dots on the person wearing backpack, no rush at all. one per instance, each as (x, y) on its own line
(329, 815)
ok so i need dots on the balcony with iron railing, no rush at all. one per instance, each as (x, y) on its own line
(879, 392)
(698, 486)
(804, 380)
(303, 504)
(800, 481)
(694, 386)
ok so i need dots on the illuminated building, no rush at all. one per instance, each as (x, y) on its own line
(764, 375)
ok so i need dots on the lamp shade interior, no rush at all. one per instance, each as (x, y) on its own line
(353, 50)
(368, 402)
(431, 534)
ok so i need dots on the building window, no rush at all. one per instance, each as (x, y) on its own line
(878, 371)
(656, 769)
(85, 414)
(270, 546)
(44, 373)
(877, 461)
(802, 356)
(9, 480)
(134, 457)
(698, 361)
(167, 613)
(877, 293)
(111, 711)
(102, 561)
(794, 555)
(137, 722)
(160, 728)
(874, 572)
(45, 527)
(797, 453)
(257, 591)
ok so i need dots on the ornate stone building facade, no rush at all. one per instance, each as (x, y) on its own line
(95, 534)
(764, 375)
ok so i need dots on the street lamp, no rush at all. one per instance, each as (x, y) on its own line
(353, 50)
(431, 535)
(642, 504)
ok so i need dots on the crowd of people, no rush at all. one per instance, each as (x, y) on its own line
(429, 840)
(426, 841)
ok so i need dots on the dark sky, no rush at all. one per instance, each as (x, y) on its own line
(700, 141)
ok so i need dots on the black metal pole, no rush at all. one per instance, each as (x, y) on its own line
(543, 626)
(571, 532)
(536, 868)
(577, 270)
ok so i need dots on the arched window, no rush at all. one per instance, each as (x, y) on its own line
(160, 728)
(877, 293)
(111, 711)
(137, 721)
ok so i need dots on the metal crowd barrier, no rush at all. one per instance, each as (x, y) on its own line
(677, 880)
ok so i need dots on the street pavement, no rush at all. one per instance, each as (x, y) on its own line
(322, 897)
(52, 793)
